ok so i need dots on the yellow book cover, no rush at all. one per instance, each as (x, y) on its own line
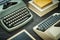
(42, 3)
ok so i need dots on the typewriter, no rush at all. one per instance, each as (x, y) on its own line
(22, 35)
(14, 14)
(49, 29)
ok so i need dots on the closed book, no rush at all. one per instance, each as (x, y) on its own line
(42, 3)
(41, 12)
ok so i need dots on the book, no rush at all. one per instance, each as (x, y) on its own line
(42, 3)
(41, 12)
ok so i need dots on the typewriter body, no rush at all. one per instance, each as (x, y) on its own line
(49, 29)
(14, 16)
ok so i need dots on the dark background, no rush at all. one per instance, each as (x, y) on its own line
(29, 27)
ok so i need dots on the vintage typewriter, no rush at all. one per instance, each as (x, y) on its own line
(22, 35)
(14, 14)
(49, 29)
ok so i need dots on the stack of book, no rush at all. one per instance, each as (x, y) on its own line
(42, 7)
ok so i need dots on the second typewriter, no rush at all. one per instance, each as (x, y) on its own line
(49, 29)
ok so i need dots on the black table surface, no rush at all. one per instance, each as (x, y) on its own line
(29, 26)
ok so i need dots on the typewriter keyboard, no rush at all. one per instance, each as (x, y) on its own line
(17, 17)
(44, 25)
